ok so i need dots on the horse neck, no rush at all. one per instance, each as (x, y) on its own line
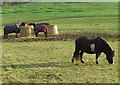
(107, 50)
(18, 25)
(105, 46)
(35, 25)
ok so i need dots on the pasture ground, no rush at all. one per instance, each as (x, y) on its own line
(48, 60)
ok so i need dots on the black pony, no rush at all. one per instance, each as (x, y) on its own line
(93, 46)
(11, 29)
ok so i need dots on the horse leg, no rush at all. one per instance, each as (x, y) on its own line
(36, 34)
(45, 33)
(5, 36)
(97, 56)
(16, 35)
(81, 54)
(75, 55)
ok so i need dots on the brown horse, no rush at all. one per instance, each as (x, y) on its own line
(40, 28)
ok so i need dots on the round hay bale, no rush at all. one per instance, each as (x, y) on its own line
(31, 31)
(23, 31)
(52, 29)
(27, 31)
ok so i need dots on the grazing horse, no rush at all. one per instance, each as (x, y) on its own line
(40, 28)
(11, 29)
(93, 46)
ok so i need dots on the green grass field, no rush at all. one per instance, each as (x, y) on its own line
(38, 11)
(49, 61)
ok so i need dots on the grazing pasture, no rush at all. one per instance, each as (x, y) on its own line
(49, 60)
(28, 12)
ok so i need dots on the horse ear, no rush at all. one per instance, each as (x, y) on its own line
(113, 51)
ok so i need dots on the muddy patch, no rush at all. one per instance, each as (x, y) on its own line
(61, 36)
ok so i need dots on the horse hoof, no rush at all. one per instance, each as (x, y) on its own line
(82, 61)
(97, 63)
(72, 61)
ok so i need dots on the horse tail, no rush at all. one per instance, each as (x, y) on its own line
(4, 28)
(46, 28)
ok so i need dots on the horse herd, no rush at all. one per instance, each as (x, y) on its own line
(40, 27)
(82, 44)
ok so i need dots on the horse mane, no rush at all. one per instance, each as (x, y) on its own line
(105, 44)
(102, 39)
(18, 24)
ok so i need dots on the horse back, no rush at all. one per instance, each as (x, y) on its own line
(41, 28)
(89, 45)
(11, 29)
(43, 24)
(81, 40)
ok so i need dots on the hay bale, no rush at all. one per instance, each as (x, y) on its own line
(31, 30)
(23, 31)
(27, 31)
(52, 29)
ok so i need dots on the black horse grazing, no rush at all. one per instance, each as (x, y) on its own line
(11, 29)
(93, 46)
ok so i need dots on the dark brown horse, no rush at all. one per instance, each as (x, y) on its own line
(40, 28)
(93, 46)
